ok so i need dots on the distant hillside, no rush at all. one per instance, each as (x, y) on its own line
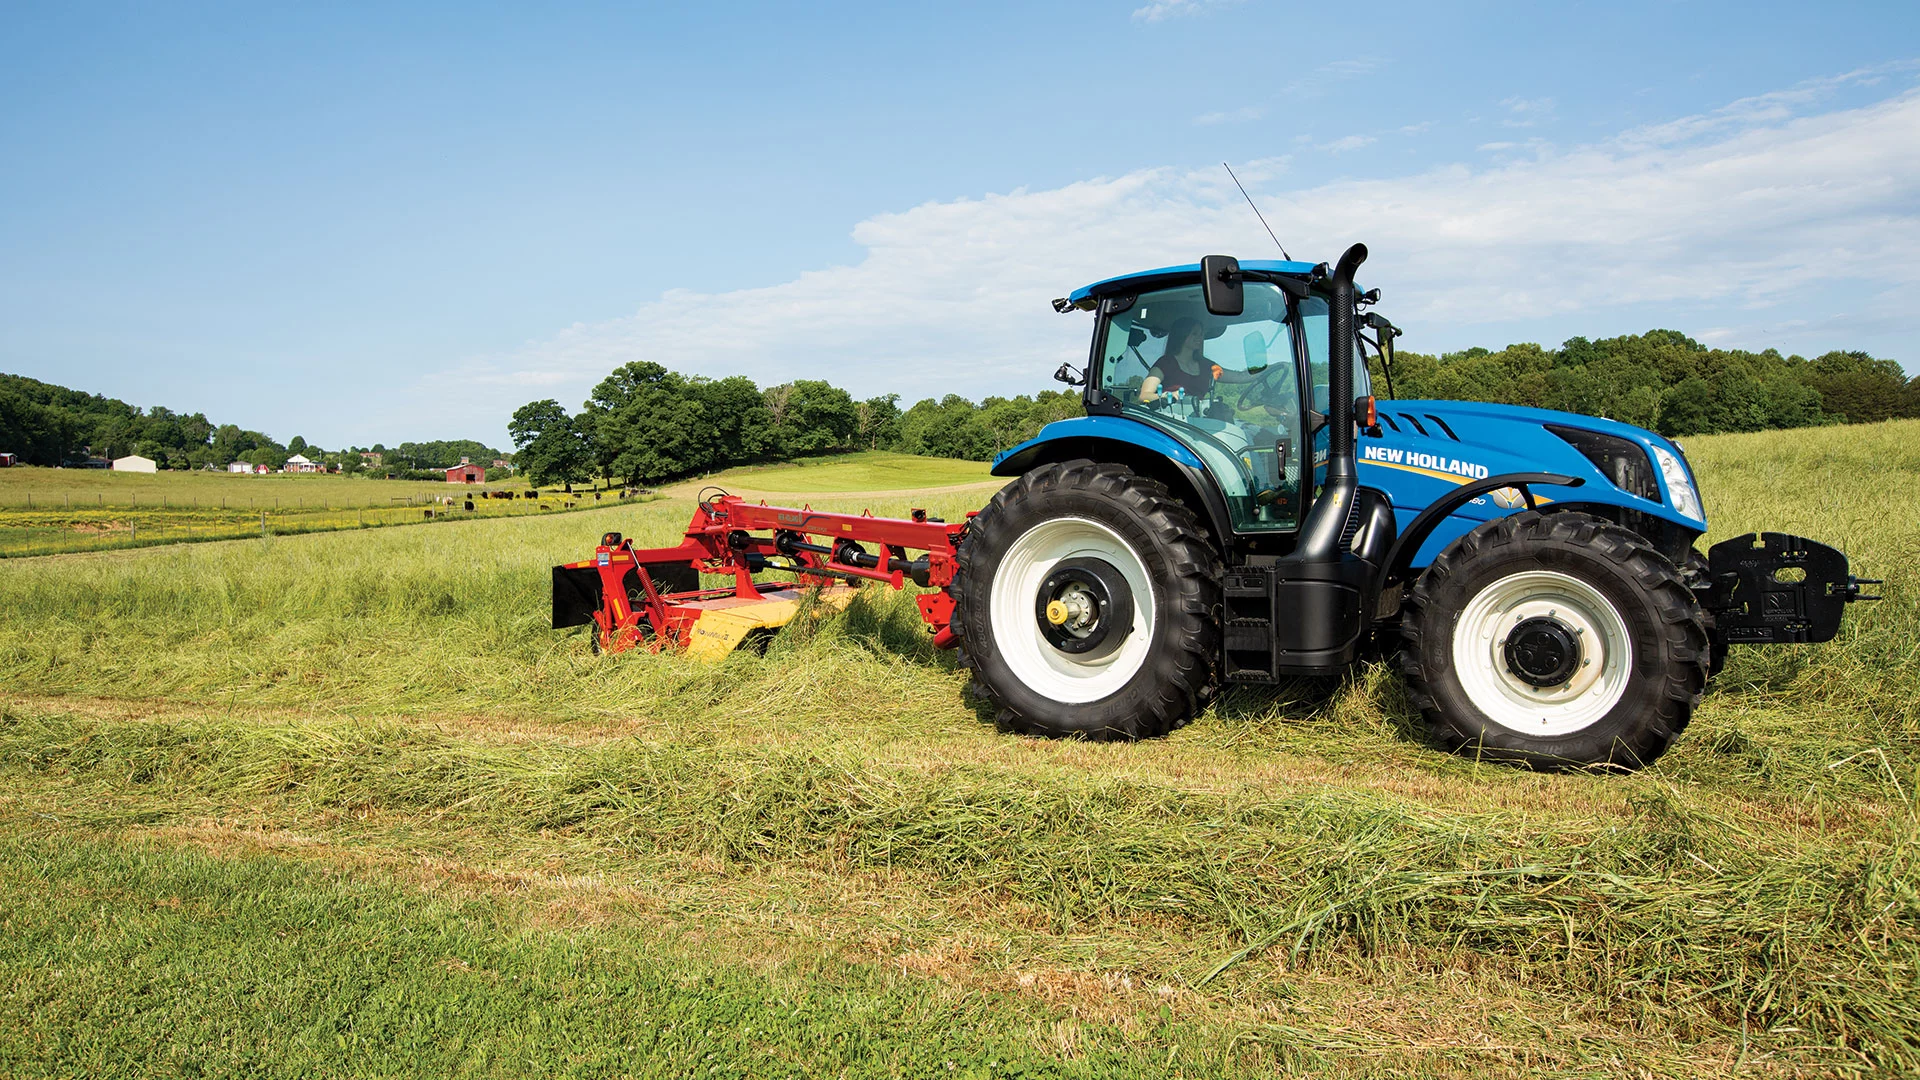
(46, 424)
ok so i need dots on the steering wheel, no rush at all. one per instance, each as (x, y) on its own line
(1273, 390)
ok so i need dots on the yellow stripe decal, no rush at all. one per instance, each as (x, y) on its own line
(1438, 475)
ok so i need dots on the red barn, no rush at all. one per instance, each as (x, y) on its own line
(467, 473)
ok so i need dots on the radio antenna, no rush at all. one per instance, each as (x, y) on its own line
(1256, 212)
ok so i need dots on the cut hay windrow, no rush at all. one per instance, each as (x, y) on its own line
(1668, 907)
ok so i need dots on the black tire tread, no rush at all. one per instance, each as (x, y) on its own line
(1184, 674)
(1680, 617)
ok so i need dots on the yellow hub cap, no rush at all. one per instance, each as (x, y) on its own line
(1057, 612)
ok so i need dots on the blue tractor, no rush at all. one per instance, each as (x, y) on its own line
(1237, 508)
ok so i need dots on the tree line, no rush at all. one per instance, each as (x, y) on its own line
(1668, 382)
(645, 424)
(45, 424)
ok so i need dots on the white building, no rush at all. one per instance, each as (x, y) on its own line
(133, 463)
(300, 463)
(240, 467)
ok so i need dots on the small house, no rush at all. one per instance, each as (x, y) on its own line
(134, 463)
(466, 473)
(7, 461)
(239, 467)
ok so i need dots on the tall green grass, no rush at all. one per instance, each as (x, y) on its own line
(1750, 900)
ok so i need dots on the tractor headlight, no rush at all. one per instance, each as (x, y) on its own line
(1679, 486)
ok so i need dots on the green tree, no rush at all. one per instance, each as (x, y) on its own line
(876, 421)
(648, 424)
(810, 417)
(1858, 388)
(548, 444)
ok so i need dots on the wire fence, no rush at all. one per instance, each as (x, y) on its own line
(58, 528)
(133, 500)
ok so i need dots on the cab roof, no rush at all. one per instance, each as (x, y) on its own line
(1142, 280)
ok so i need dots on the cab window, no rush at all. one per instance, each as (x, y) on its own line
(1228, 388)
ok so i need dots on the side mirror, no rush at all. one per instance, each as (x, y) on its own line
(1136, 336)
(1220, 284)
(1255, 346)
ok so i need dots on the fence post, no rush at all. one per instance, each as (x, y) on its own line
(133, 529)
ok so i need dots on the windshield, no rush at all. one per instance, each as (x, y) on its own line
(1227, 387)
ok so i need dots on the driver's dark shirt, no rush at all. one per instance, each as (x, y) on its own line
(1173, 376)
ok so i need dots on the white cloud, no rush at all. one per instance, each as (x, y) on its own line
(1415, 129)
(1741, 208)
(1349, 142)
(1174, 9)
(1352, 69)
(1527, 112)
(1236, 116)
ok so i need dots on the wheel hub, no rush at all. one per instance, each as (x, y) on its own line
(1542, 651)
(1084, 607)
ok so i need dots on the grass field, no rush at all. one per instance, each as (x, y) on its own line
(31, 487)
(875, 470)
(343, 805)
(59, 511)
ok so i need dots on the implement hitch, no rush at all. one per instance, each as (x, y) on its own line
(1777, 589)
(651, 597)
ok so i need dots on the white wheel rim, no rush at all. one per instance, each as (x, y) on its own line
(1599, 678)
(1060, 676)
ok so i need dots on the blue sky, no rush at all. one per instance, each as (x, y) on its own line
(402, 221)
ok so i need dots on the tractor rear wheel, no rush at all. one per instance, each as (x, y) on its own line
(1555, 641)
(1087, 602)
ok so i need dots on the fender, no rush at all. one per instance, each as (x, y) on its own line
(1145, 449)
(1400, 557)
(1018, 459)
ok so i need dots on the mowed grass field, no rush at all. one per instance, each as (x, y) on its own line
(343, 805)
(871, 470)
(53, 511)
(59, 511)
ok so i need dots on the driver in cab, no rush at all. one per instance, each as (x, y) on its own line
(1184, 372)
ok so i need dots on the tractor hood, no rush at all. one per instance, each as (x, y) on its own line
(1426, 447)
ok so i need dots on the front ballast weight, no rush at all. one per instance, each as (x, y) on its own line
(652, 598)
(1776, 589)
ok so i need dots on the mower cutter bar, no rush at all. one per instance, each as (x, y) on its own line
(651, 597)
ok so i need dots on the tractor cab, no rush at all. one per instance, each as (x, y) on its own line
(1246, 392)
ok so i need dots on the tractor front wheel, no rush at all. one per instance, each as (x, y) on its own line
(1087, 604)
(1555, 641)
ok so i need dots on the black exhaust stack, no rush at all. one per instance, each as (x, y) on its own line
(1307, 612)
(1320, 533)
